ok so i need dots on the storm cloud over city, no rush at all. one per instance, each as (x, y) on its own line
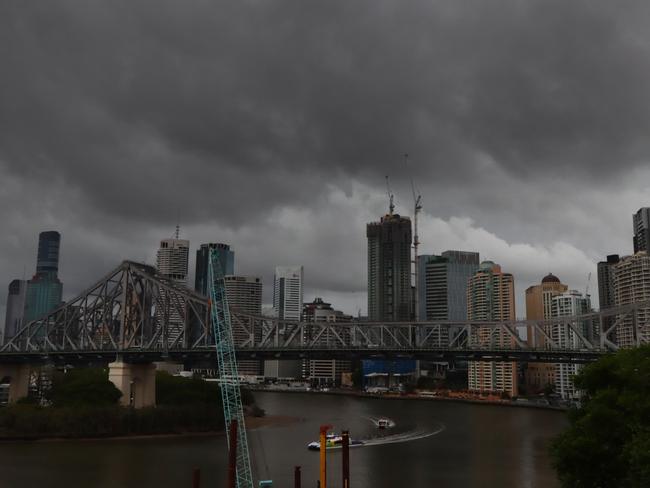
(272, 125)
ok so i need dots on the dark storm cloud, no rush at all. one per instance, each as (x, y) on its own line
(135, 103)
(118, 119)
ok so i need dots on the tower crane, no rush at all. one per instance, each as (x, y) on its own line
(417, 206)
(233, 410)
(391, 204)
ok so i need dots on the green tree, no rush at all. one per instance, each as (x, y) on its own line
(177, 390)
(607, 444)
(83, 387)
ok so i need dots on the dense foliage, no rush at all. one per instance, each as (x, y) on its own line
(176, 390)
(608, 442)
(85, 404)
(30, 421)
(83, 387)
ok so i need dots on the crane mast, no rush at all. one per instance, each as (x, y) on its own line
(227, 363)
(417, 206)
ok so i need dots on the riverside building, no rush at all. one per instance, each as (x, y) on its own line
(631, 280)
(491, 297)
(244, 295)
(568, 304)
(389, 268)
(324, 371)
(287, 305)
(539, 306)
(390, 291)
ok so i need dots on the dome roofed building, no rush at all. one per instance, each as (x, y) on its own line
(551, 278)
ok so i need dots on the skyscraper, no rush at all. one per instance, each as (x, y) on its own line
(287, 292)
(606, 298)
(244, 295)
(15, 308)
(491, 297)
(287, 305)
(172, 259)
(442, 286)
(641, 224)
(389, 268)
(566, 305)
(631, 278)
(539, 306)
(172, 262)
(44, 291)
(226, 260)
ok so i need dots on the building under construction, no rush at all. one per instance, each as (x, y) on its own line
(389, 268)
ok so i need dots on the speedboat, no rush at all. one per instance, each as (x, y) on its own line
(385, 423)
(333, 441)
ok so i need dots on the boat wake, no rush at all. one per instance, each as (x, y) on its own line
(413, 435)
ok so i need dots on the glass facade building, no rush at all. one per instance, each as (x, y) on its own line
(44, 291)
(442, 284)
(226, 260)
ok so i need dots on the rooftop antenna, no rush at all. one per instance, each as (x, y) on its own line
(391, 205)
(417, 206)
(178, 231)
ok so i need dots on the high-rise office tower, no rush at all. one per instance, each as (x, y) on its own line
(324, 371)
(389, 268)
(15, 309)
(442, 286)
(606, 298)
(244, 295)
(226, 260)
(539, 306)
(44, 290)
(631, 278)
(172, 262)
(565, 305)
(287, 304)
(491, 297)
(641, 224)
(287, 292)
(172, 259)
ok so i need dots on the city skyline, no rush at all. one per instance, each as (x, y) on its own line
(531, 153)
(332, 295)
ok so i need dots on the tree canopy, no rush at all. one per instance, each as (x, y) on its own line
(83, 387)
(608, 441)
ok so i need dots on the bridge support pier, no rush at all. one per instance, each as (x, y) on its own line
(18, 377)
(137, 382)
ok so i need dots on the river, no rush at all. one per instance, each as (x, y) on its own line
(454, 445)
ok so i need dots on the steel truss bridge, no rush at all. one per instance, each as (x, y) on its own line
(136, 314)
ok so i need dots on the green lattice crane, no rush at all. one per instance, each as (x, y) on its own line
(227, 363)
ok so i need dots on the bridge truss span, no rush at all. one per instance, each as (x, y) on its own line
(135, 312)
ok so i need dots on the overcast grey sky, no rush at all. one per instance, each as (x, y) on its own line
(271, 125)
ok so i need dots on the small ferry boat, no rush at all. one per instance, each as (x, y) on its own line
(382, 422)
(333, 441)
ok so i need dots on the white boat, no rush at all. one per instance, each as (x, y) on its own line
(333, 441)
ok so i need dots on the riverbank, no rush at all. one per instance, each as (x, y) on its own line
(415, 397)
(252, 423)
